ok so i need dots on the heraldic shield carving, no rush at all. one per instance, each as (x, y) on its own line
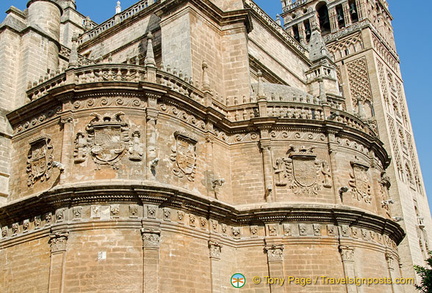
(107, 141)
(302, 171)
(39, 160)
(184, 156)
(359, 183)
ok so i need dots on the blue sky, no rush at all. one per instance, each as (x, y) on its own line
(414, 44)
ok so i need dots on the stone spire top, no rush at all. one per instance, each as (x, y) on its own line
(118, 7)
(317, 46)
(150, 59)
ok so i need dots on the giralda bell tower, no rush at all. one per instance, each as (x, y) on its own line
(359, 36)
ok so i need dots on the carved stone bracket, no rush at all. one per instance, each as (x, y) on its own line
(215, 249)
(151, 237)
(274, 252)
(347, 253)
(58, 241)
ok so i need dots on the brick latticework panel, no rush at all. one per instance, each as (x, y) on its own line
(359, 81)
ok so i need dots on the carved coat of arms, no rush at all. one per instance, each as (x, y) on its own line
(39, 160)
(107, 141)
(302, 171)
(359, 183)
(184, 156)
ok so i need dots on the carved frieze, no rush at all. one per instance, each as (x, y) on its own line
(302, 171)
(107, 140)
(39, 160)
(360, 183)
(184, 156)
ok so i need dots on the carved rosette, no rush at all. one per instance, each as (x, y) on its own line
(58, 241)
(302, 171)
(184, 156)
(107, 140)
(360, 183)
(274, 252)
(215, 249)
(39, 160)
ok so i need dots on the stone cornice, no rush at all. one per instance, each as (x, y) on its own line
(222, 18)
(160, 195)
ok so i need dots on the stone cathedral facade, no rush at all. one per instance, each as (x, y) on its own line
(183, 141)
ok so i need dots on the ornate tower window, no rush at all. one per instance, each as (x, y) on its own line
(353, 11)
(307, 28)
(340, 16)
(296, 33)
(323, 17)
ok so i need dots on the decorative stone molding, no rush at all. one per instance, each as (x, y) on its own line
(26, 226)
(77, 213)
(133, 211)
(287, 228)
(303, 231)
(58, 241)
(192, 220)
(214, 225)
(39, 160)
(316, 229)
(43, 117)
(166, 214)
(274, 252)
(203, 223)
(106, 100)
(4, 231)
(236, 232)
(115, 210)
(37, 222)
(60, 215)
(254, 231)
(272, 230)
(151, 211)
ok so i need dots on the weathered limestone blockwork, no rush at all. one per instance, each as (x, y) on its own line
(186, 141)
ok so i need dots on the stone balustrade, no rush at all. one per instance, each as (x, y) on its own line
(120, 17)
(288, 104)
(273, 24)
(294, 5)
